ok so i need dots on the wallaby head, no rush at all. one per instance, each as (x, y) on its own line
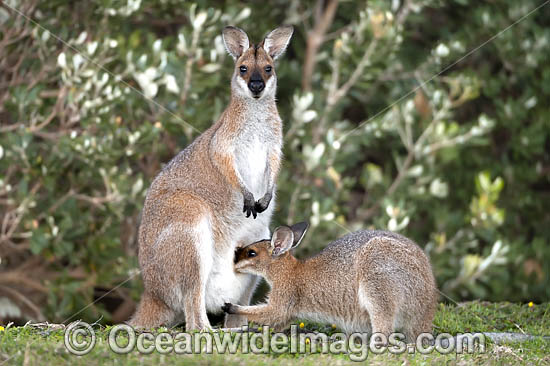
(257, 257)
(254, 76)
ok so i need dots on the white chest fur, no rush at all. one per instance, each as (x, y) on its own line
(252, 159)
(252, 150)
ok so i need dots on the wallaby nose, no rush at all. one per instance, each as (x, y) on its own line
(256, 84)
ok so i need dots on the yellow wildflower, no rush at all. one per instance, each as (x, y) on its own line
(302, 325)
(531, 304)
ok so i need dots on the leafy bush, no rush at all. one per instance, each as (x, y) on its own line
(383, 129)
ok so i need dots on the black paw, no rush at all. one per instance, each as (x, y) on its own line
(228, 308)
(249, 205)
(263, 203)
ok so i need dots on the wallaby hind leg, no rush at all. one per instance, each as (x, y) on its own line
(380, 307)
(151, 312)
(194, 275)
(193, 285)
(422, 324)
(412, 332)
(178, 274)
(195, 310)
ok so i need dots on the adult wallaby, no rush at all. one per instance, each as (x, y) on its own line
(193, 216)
(367, 281)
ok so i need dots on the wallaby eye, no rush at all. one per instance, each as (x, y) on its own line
(268, 68)
(243, 69)
(251, 253)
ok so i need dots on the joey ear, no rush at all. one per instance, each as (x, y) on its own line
(235, 41)
(299, 231)
(277, 40)
(282, 240)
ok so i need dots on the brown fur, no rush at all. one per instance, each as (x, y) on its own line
(367, 281)
(193, 216)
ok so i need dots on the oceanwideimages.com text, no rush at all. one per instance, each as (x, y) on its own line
(80, 339)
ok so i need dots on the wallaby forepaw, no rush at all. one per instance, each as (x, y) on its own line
(263, 203)
(228, 308)
(259, 207)
(249, 206)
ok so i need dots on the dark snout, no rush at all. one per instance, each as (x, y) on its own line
(256, 84)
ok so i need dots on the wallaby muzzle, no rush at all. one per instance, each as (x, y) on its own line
(256, 83)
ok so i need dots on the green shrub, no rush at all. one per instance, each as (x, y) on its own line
(386, 132)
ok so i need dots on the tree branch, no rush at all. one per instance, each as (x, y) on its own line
(316, 37)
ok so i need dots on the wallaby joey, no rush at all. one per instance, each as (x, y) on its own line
(193, 216)
(367, 281)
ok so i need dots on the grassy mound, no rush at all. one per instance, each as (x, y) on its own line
(30, 345)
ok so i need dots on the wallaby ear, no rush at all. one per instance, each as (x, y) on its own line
(277, 40)
(235, 41)
(282, 240)
(299, 231)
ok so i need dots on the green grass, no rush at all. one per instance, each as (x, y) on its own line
(493, 317)
(28, 346)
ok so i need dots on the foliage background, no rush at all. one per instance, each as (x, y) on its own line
(382, 130)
